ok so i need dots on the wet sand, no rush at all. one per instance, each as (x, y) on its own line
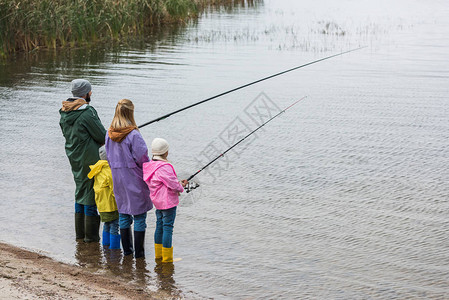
(29, 275)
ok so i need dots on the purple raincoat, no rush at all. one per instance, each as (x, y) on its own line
(126, 159)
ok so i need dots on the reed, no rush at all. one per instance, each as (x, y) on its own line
(27, 25)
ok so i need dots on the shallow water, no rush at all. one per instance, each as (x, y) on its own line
(344, 196)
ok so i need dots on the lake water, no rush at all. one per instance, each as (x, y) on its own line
(345, 196)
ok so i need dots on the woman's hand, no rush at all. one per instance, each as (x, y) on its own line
(184, 182)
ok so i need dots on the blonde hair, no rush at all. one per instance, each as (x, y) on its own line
(124, 115)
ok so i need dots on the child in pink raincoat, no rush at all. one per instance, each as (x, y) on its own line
(161, 178)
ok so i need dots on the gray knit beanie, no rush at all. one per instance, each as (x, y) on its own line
(80, 87)
(102, 152)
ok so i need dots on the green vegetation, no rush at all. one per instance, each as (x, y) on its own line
(26, 25)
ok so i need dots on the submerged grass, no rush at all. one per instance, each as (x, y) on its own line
(26, 25)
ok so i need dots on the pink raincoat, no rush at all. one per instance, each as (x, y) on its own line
(161, 178)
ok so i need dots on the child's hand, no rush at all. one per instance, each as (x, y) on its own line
(184, 182)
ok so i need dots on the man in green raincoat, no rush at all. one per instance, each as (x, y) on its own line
(84, 135)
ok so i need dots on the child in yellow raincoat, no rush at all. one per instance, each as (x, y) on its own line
(105, 200)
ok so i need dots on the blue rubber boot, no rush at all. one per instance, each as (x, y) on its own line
(115, 241)
(106, 238)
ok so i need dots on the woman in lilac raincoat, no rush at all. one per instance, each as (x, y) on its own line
(126, 151)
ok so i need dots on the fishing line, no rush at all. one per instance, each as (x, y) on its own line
(246, 85)
(194, 185)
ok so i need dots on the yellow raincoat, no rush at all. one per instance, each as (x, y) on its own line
(104, 194)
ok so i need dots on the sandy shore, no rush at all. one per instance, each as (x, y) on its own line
(29, 275)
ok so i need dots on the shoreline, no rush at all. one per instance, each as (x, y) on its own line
(29, 275)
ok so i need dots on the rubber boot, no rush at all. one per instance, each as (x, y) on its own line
(158, 251)
(91, 227)
(127, 241)
(106, 240)
(167, 254)
(79, 225)
(115, 241)
(139, 239)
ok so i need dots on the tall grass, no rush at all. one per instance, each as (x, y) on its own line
(26, 25)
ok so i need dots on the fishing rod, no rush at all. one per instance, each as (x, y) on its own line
(194, 185)
(246, 85)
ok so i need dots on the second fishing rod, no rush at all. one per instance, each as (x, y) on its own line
(246, 85)
(193, 185)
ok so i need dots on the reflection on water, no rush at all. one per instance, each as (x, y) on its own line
(89, 255)
(136, 271)
(113, 258)
(343, 197)
(164, 274)
(63, 64)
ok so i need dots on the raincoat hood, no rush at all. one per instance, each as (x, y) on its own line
(96, 169)
(150, 167)
(69, 117)
(118, 135)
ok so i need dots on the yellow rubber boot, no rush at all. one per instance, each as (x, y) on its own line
(167, 254)
(158, 251)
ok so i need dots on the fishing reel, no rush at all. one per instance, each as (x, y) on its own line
(191, 186)
(190, 197)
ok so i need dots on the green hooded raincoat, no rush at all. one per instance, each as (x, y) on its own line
(84, 134)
